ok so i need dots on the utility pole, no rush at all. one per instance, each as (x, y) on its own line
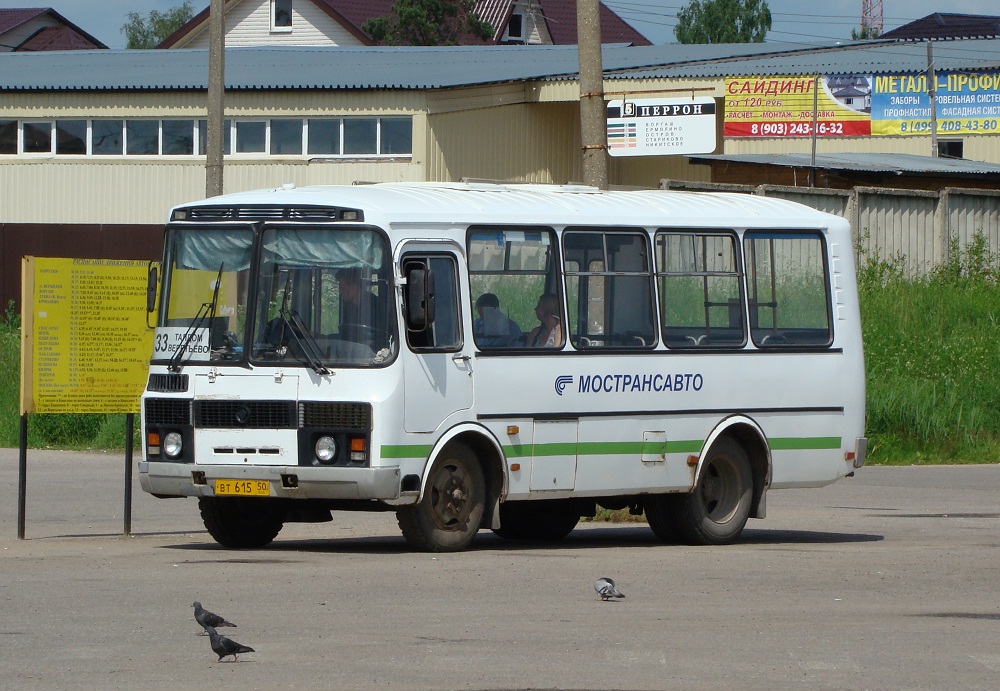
(216, 97)
(593, 116)
(932, 96)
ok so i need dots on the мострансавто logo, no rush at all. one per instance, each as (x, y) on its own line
(631, 383)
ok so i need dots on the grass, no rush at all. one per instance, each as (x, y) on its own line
(932, 350)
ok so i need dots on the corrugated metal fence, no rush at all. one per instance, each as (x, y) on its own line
(915, 228)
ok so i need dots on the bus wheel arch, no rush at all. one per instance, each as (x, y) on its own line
(730, 481)
(460, 489)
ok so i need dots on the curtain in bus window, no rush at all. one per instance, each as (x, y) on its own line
(205, 249)
(323, 247)
(701, 301)
(609, 289)
(788, 289)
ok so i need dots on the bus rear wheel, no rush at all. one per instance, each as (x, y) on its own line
(716, 511)
(242, 522)
(447, 517)
(537, 520)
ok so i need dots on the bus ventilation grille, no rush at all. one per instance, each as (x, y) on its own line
(168, 383)
(341, 416)
(168, 411)
(270, 213)
(245, 414)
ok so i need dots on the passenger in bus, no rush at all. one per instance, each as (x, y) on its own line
(493, 328)
(548, 334)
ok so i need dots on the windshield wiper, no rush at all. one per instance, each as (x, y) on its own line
(206, 311)
(293, 324)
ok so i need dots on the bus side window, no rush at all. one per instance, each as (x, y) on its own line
(788, 289)
(609, 288)
(443, 330)
(701, 299)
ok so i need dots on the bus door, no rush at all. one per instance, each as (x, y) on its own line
(437, 359)
(553, 455)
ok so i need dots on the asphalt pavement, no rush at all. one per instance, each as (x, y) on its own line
(887, 580)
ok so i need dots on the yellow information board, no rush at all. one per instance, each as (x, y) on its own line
(85, 345)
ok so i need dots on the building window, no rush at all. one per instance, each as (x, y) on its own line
(324, 136)
(37, 137)
(286, 137)
(950, 148)
(8, 136)
(142, 137)
(281, 15)
(178, 137)
(367, 136)
(106, 138)
(251, 136)
(515, 28)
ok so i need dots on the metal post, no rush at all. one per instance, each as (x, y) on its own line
(216, 91)
(932, 93)
(593, 116)
(129, 430)
(22, 478)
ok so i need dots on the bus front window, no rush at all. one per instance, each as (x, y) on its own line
(204, 299)
(323, 299)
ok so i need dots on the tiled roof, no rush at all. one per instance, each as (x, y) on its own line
(560, 16)
(943, 25)
(57, 38)
(11, 19)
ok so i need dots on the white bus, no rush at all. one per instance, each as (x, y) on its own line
(511, 358)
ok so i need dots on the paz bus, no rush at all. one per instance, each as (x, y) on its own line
(499, 357)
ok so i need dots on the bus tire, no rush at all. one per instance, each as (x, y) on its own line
(659, 515)
(537, 520)
(242, 522)
(447, 517)
(716, 510)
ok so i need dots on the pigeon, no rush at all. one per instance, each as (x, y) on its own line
(208, 619)
(605, 587)
(226, 646)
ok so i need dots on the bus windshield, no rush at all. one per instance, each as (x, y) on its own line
(323, 298)
(206, 277)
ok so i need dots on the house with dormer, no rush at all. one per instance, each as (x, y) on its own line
(37, 29)
(340, 22)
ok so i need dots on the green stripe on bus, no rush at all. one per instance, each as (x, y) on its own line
(803, 443)
(615, 448)
(406, 451)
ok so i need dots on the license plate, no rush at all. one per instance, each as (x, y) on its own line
(243, 488)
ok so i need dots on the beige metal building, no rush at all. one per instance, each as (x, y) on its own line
(115, 137)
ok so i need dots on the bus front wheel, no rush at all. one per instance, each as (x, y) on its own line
(716, 511)
(242, 522)
(447, 517)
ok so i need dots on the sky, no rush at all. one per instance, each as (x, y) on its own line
(797, 21)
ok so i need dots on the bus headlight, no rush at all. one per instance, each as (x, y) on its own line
(173, 444)
(326, 449)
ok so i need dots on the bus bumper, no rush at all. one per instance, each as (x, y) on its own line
(286, 482)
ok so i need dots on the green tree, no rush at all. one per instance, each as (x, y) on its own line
(866, 33)
(148, 32)
(723, 21)
(428, 23)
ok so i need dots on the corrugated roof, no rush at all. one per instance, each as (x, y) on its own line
(872, 57)
(278, 68)
(865, 162)
(947, 25)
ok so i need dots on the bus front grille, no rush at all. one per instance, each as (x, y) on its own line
(346, 416)
(245, 414)
(168, 411)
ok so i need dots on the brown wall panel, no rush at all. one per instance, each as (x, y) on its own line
(77, 241)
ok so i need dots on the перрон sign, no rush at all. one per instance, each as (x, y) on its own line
(661, 127)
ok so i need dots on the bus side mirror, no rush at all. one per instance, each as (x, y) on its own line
(419, 298)
(151, 289)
